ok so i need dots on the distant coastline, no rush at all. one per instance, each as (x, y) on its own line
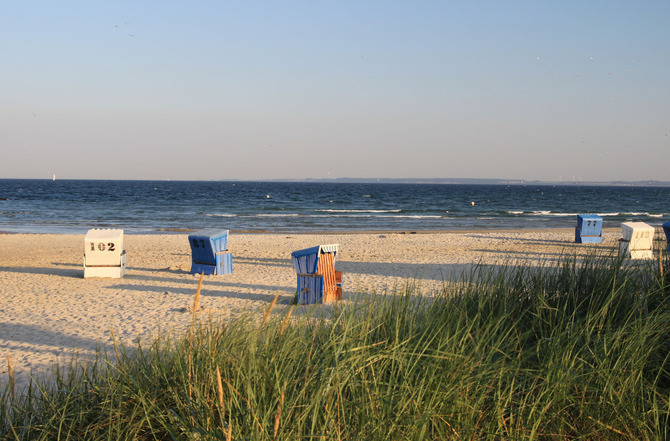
(446, 181)
(480, 181)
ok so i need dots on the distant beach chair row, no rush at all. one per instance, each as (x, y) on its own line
(318, 281)
(637, 241)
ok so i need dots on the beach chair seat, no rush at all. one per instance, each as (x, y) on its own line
(209, 253)
(318, 281)
(637, 241)
(666, 230)
(589, 229)
(104, 255)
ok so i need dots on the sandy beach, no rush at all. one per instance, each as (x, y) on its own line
(49, 313)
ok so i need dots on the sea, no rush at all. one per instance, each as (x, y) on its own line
(172, 207)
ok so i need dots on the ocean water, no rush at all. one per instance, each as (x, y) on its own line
(75, 206)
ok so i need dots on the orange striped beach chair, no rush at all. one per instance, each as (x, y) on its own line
(318, 281)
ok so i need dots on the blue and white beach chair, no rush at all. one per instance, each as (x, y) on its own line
(209, 253)
(589, 229)
(318, 282)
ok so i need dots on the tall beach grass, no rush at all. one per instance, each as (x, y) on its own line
(577, 351)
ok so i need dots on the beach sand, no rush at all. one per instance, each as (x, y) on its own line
(49, 313)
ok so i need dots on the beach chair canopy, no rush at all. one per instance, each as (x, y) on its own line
(589, 223)
(306, 261)
(103, 247)
(638, 232)
(205, 244)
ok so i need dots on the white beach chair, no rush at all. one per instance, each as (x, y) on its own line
(104, 255)
(637, 241)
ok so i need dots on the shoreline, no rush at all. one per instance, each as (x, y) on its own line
(51, 313)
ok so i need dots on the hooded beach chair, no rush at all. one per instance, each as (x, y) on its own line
(637, 241)
(318, 282)
(589, 229)
(209, 254)
(104, 255)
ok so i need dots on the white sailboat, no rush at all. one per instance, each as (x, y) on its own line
(54, 177)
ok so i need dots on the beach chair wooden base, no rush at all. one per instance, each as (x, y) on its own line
(626, 251)
(223, 265)
(106, 271)
(312, 289)
(582, 238)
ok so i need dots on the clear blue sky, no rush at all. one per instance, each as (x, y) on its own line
(544, 90)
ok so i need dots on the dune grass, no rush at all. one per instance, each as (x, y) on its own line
(578, 351)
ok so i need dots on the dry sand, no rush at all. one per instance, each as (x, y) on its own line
(50, 313)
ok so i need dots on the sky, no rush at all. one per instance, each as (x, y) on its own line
(201, 90)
